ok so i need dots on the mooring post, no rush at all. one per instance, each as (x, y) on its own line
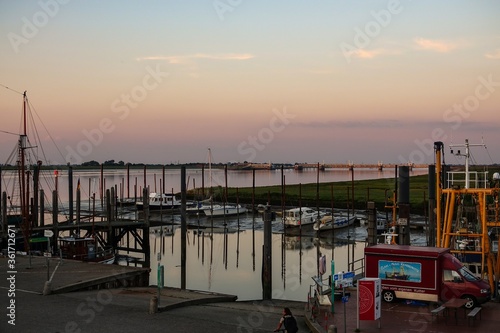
(404, 205)
(267, 254)
(183, 227)
(1, 202)
(55, 213)
(108, 205)
(4, 213)
(145, 230)
(78, 203)
(372, 223)
(42, 208)
(128, 180)
(431, 231)
(70, 192)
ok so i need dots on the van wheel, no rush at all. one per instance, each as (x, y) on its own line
(388, 296)
(471, 301)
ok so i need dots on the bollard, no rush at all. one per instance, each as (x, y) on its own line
(153, 305)
(47, 288)
(332, 329)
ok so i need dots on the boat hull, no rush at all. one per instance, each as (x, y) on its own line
(221, 210)
(328, 223)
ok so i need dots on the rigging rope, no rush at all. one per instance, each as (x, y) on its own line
(11, 89)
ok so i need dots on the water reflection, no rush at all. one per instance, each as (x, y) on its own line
(226, 256)
(228, 261)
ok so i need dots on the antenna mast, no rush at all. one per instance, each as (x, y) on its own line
(467, 156)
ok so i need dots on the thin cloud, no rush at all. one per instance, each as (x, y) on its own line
(183, 59)
(435, 45)
(493, 55)
(370, 54)
(365, 54)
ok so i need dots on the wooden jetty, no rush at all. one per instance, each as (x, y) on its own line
(127, 235)
(71, 275)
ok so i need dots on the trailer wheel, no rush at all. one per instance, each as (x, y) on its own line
(388, 296)
(471, 301)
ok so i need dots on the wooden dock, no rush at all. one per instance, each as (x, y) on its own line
(32, 273)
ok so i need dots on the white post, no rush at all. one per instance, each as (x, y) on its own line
(467, 163)
(467, 156)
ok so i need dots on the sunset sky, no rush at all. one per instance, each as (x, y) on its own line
(281, 81)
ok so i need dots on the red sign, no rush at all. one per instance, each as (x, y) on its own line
(369, 299)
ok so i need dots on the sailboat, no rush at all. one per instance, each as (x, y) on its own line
(23, 211)
(17, 210)
(220, 210)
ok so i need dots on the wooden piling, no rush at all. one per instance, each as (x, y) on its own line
(372, 223)
(267, 278)
(404, 205)
(431, 232)
(128, 180)
(42, 208)
(55, 222)
(183, 227)
(145, 230)
(78, 204)
(70, 192)
(4, 212)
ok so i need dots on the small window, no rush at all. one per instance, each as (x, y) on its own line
(456, 277)
(447, 276)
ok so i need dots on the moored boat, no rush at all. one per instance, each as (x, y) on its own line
(159, 201)
(329, 222)
(85, 249)
(224, 210)
(296, 217)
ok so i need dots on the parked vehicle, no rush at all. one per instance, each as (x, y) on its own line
(423, 273)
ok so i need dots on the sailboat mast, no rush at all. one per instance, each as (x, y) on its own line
(24, 195)
(210, 168)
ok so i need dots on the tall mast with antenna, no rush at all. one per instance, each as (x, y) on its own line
(467, 145)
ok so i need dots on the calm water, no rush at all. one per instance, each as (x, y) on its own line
(232, 263)
(228, 260)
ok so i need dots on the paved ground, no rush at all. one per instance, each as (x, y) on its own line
(127, 309)
(408, 317)
(121, 310)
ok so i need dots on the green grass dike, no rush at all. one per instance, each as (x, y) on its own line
(334, 194)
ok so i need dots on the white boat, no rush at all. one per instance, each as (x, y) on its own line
(159, 201)
(330, 222)
(301, 216)
(224, 210)
(382, 222)
(197, 207)
(85, 249)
